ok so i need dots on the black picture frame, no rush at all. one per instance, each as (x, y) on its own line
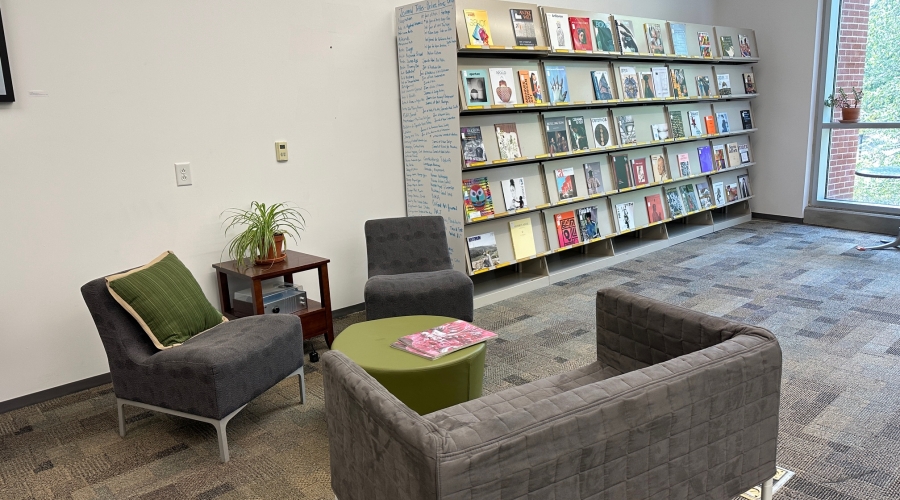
(6, 86)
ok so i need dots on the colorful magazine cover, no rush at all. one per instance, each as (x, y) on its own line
(602, 136)
(749, 83)
(620, 167)
(472, 145)
(566, 228)
(727, 45)
(627, 133)
(631, 89)
(443, 340)
(639, 171)
(503, 86)
(602, 89)
(705, 46)
(581, 33)
(603, 37)
(594, 178)
(578, 133)
(523, 27)
(704, 194)
(724, 84)
(703, 86)
(719, 193)
(658, 165)
(483, 252)
(508, 141)
(654, 38)
(744, 43)
(558, 84)
(679, 38)
(655, 210)
(676, 207)
(565, 183)
(477, 198)
(684, 164)
(514, 194)
(706, 159)
(557, 139)
(627, 42)
(558, 28)
(587, 221)
(476, 87)
(625, 216)
(691, 202)
(477, 26)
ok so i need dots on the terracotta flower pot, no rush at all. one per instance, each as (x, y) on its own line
(275, 254)
(849, 115)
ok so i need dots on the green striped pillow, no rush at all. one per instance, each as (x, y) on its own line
(165, 299)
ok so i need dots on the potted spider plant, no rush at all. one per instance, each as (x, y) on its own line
(849, 105)
(262, 238)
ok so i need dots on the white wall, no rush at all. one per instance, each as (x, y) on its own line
(786, 34)
(88, 184)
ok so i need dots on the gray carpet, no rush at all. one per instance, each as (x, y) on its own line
(836, 312)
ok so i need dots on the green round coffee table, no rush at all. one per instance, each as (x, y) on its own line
(423, 385)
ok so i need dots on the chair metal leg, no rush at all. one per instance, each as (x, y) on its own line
(767, 489)
(223, 440)
(302, 387)
(120, 404)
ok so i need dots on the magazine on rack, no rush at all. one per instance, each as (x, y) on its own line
(442, 340)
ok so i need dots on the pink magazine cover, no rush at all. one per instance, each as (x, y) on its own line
(442, 340)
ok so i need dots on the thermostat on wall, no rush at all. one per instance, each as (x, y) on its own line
(281, 151)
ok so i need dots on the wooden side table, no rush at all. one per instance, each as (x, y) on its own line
(316, 318)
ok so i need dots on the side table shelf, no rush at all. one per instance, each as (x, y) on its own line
(316, 317)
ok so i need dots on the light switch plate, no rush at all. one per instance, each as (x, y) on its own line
(183, 174)
(281, 151)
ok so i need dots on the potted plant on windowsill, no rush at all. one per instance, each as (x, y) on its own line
(264, 229)
(849, 105)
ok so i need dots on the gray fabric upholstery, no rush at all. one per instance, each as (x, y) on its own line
(407, 245)
(410, 272)
(210, 375)
(692, 415)
(437, 293)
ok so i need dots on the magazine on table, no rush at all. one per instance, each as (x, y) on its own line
(442, 340)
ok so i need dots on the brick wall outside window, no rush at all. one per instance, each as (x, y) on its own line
(851, 61)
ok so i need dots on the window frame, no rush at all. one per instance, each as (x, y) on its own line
(823, 122)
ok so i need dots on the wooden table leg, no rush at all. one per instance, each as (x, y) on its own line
(257, 297)
(325, 294)
(224, 298)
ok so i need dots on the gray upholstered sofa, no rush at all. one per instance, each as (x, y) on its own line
(679, 405)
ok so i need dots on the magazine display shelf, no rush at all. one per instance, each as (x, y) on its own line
(432, 51)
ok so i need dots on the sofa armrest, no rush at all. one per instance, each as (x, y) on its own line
(634, 331)
(380, 449)
(703, 425)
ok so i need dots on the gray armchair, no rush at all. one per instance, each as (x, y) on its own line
(678, 405)
(209, 378)
(410, 271)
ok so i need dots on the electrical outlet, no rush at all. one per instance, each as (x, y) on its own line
(183, 174)
(281, 152)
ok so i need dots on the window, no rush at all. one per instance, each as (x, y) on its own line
(859, 163)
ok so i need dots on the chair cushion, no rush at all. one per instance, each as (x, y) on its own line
(494, 405)
(213, 374)
(438, 293)
(165, 299)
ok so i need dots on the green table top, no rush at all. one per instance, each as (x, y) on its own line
(368, 344)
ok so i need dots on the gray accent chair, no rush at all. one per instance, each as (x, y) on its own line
(410, 272)
(678, 405)
(209, 378)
